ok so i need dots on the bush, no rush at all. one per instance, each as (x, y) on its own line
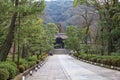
(25, 66)
(33, 58)
(114, 62)
(4, 74)
(23, 61)
(41, 58)
(12, 63)
(103, 61)
(76, 55)
(87, 57)
(31, 63)
(80, 57)
(118, 63)
(108, 62)
(10, 68)
(44, 56)
(21, 68)
(98, 60)
(94, 59)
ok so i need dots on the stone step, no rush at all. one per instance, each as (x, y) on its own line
(59, 51)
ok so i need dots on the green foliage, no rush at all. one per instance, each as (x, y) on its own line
(22, 61)
(72, 42)
(38, 37)
(10, 68)
(42, 56)
(4, 74)
(31, 63)
(25, 66)
(4, 18)
(11, 63)
(109, 23)
(27, 9)
(107, 60)
(33, 58)
(76, 55)
(21, 68)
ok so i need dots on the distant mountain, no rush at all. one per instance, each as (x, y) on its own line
(56, 10)
(62, 11)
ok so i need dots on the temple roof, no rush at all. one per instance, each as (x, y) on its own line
(61, 35)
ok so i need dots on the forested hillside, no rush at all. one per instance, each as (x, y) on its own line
(63, 12)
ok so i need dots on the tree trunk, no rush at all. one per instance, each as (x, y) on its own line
(23, 51)
(4, 50)
(110, 45)
(13, 54)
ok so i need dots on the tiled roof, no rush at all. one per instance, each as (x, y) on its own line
(61, 35)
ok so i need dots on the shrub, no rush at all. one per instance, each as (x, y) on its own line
(108, 62)
(23, 61)
(41, 58)
(76, 54)
(33, 58)
(94, 59)
(118, 63)
(83, 57)
(4, 74)
(98, 60)
(12, 63)
(44, 56)
(79, 56)
(114, 62)
(10, 68)
(103, 61)
(87, 57)
(21, 68)
(31, 63)
(25, 66)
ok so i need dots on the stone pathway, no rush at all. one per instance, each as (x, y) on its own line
(64, 67)
(51, 70)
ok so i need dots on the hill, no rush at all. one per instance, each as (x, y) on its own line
(63, 12)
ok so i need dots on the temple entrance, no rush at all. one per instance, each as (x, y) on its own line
(59, 43)
(59, 40)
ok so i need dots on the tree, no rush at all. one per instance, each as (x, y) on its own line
(8, 42)
(72, 42)
(89, 24)
(107, 10)
(51, 31)
(25, 8)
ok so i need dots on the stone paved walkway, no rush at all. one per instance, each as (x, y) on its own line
(64, 67)
(51, 70)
